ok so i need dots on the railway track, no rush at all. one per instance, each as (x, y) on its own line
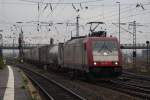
(132, 89)
(50, 88)
(127, 87)
(138, 80)
(55, 94)
(135, 85)
(132, 75)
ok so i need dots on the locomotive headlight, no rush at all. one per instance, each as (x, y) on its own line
(116, 63)
(94, 63)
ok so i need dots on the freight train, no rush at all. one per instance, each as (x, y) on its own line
(95, 55)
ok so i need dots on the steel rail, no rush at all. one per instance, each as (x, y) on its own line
(48, 96)
(56, 83)
(131, 89)
(132, 75)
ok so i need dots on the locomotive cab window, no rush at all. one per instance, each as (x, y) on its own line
(104, 45)
(105, 50)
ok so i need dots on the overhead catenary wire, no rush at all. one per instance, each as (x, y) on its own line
(123, 10)
(71, 17)
(110, 16)
(65, 3)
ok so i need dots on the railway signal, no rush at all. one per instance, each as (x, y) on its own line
(20, 40)
(147, 42)
(1, 55)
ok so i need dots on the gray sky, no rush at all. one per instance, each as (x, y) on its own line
(65, 11)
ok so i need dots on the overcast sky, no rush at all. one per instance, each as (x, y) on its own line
(66, 11)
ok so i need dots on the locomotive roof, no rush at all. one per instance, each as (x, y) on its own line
(81, 39)
(104, 38)
(95, 22)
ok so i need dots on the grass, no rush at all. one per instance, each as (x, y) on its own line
(25, 82)
(2, 65)
(28, 85)
(23, 87)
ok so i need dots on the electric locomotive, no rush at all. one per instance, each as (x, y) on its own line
(96, 55)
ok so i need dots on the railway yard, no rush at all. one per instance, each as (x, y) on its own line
(74, 50)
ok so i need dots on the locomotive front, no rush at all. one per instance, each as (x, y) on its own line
(105, 57)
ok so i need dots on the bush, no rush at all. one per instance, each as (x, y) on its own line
(1, 63)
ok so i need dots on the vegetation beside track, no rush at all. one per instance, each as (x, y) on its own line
(27, 84)
(2, 64)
